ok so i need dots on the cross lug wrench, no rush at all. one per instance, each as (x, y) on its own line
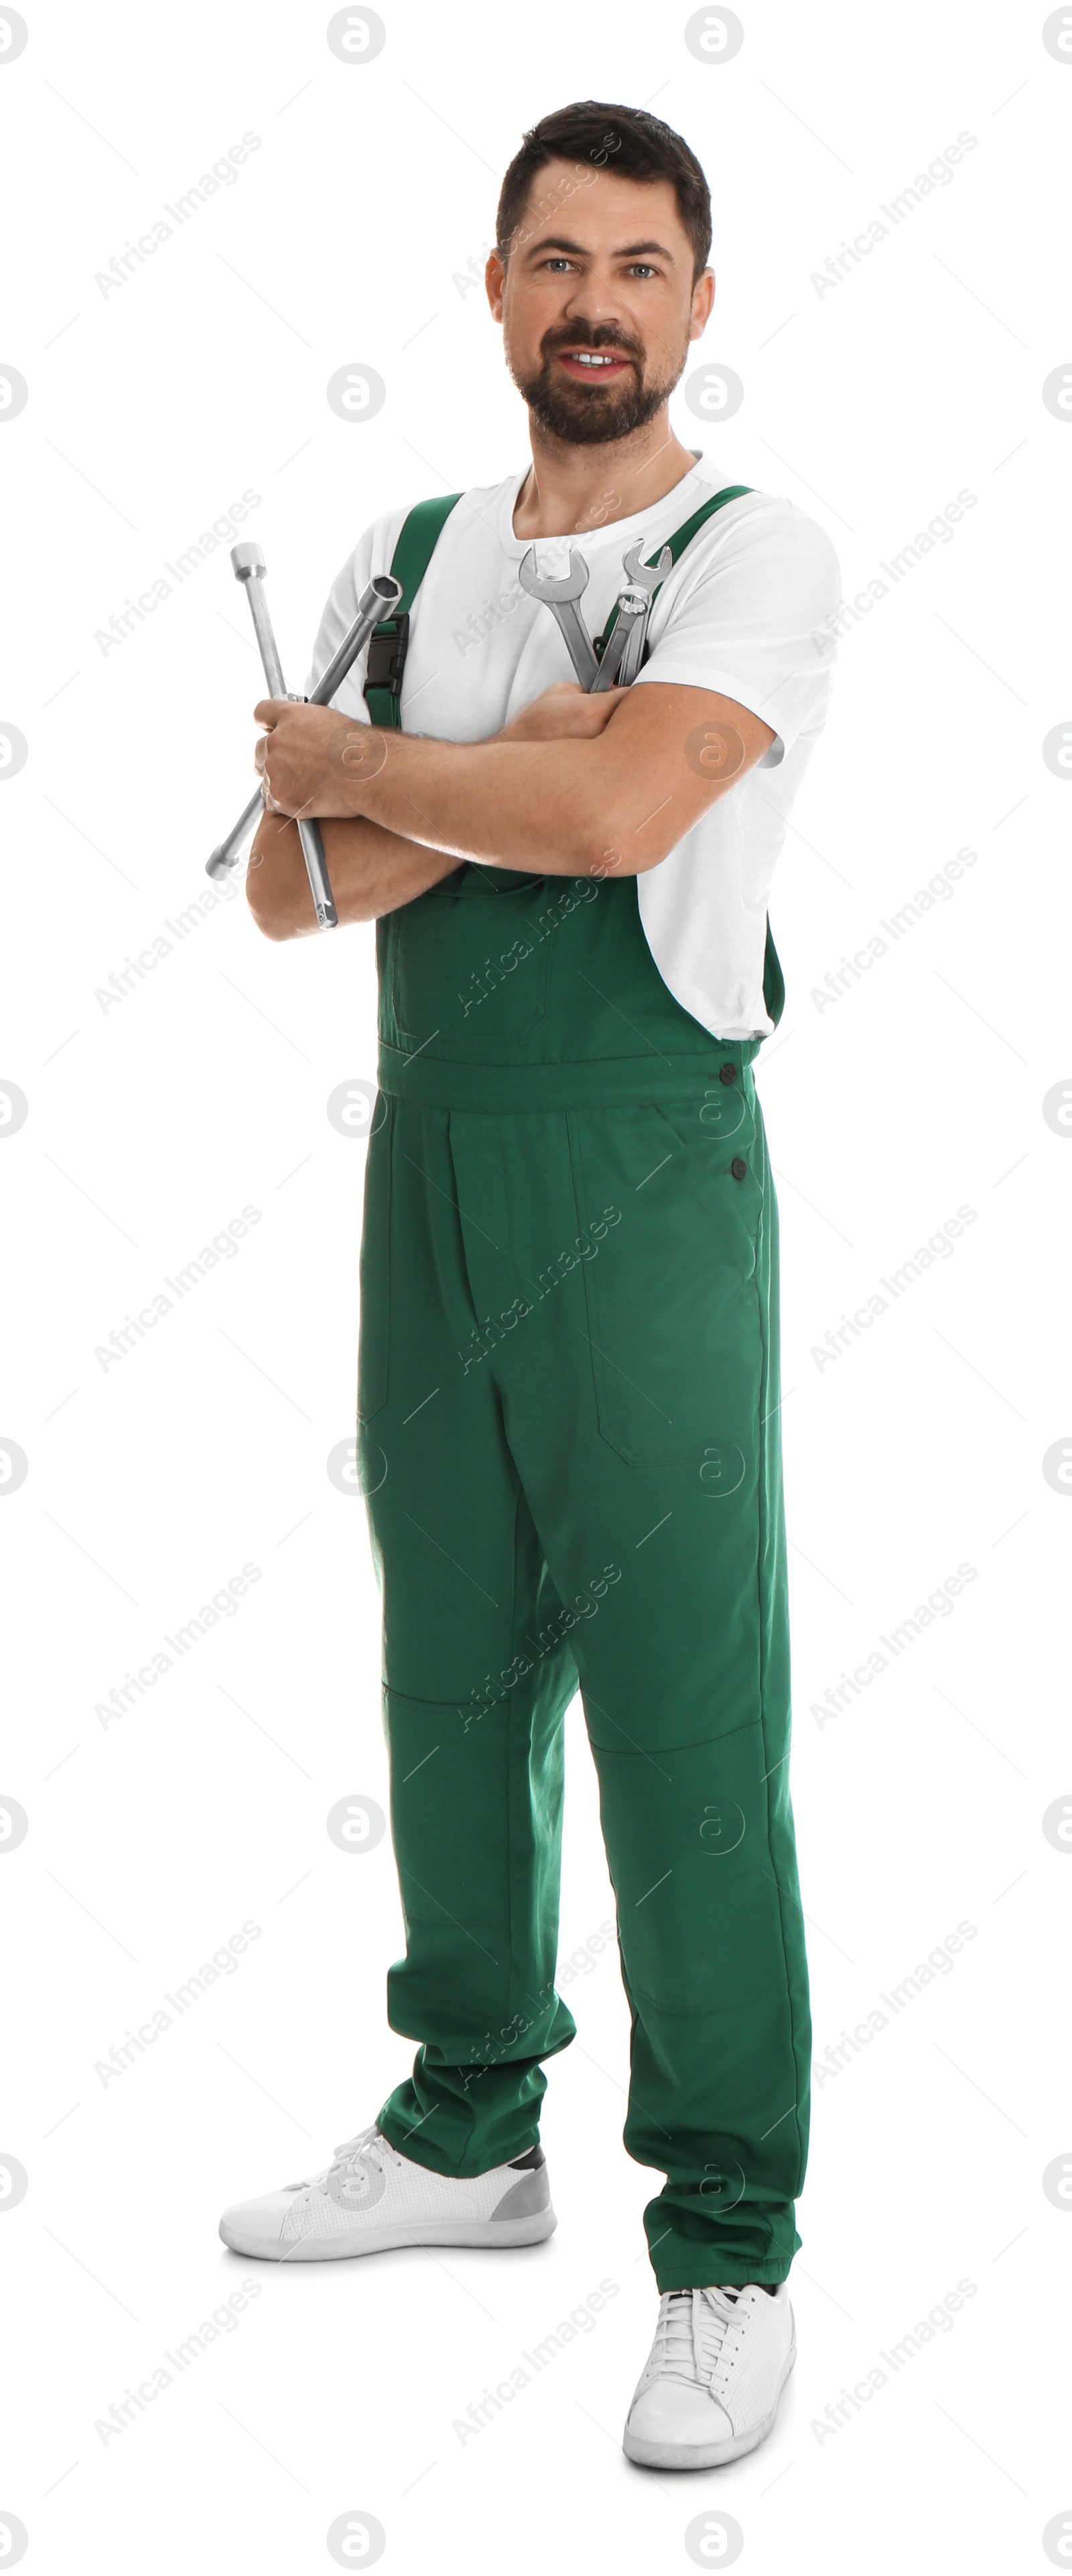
(377, 600)
(248, 566)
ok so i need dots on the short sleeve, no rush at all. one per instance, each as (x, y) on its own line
(372, 554)
(754, 618)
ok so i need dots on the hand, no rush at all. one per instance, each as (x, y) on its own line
(311, 761)
(563, 712)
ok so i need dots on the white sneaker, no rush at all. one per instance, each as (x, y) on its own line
(371, 2198)
(711, 2385)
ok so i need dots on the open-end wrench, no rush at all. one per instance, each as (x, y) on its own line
(561, 597)
(376, 601)
(644, 579)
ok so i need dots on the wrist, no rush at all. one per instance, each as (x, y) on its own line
(359, 757)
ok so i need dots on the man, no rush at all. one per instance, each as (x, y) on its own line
(568, 1373)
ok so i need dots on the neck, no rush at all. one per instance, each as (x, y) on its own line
(569, 490)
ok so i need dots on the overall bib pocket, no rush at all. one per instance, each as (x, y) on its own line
(468, 962)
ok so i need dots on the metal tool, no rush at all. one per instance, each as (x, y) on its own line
(623, 651)
(376, 601)
(647, 578)
(248, 565)
(561, 596)
(633, 607)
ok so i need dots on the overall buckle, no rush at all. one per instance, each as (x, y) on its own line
(387, 656)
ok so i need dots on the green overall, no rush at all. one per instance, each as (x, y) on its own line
(569, 1446)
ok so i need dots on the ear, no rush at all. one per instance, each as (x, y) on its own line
(703, 297)
(495, 283)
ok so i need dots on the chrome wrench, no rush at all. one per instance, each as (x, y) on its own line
(644, 581)
(380, 597)
(561, 595)
(633, 608)
(248, 566)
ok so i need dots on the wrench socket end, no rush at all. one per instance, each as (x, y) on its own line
(247, 561)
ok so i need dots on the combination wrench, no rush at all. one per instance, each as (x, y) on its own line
(561, 596)
(624, 649)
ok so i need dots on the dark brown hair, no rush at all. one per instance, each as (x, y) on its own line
(620, 138)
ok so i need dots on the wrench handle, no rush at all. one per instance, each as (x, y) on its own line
(312, 847)
(226, 852)
(316, 869)
(634, 649)
(378, 600)
(262, 628)
(575, 636)
(613, 654)
(621, 653)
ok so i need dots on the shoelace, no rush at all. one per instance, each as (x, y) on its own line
(369, 2144)
(691, 2335)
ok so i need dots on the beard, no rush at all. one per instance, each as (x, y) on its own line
(593, 417)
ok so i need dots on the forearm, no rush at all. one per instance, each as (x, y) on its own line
(547, 794)
(543, 806)
(371, 870)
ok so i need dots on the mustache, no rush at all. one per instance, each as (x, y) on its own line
(602, 338)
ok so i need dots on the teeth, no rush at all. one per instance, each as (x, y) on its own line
(587, 359)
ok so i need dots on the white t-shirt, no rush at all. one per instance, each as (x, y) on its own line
(748, 611)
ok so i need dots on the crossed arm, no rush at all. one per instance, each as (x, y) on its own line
(573, 786)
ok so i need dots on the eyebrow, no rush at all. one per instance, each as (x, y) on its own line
(633, 250)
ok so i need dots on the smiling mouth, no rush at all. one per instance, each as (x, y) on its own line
(592, 366)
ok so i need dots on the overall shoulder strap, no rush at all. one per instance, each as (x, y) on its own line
(677, 544)
(773, 980)
(682, 536)
(388, 642)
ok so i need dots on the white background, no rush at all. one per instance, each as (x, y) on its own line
(151, 1123)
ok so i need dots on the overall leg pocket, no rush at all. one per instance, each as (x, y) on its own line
(375, 1270)
(687, 1841)
(670, 1281)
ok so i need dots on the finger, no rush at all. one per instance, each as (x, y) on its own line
(268, 710)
